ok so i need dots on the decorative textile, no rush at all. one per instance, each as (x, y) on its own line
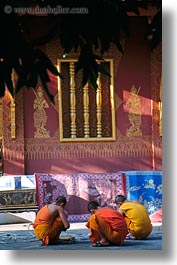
(145, 186)
(79, 189)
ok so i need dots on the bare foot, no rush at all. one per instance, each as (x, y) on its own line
(104, 242)
(100, 244)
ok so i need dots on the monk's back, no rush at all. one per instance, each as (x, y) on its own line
(113, 217)
(140, 221)
(136, 212)
(46, 215)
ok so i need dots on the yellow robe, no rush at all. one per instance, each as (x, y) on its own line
(110, 223)
(46, 227)
(137, 219)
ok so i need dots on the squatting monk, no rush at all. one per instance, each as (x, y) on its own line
(136, 216)
(50, 221)
(107, 226)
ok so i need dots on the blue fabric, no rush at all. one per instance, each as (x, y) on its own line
(145, 186)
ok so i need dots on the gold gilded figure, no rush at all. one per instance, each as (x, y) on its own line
(134, 105)
(40, 117)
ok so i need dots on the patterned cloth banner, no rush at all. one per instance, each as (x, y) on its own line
(79, 189)
(145, 186)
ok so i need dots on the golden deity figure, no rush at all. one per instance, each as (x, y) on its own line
(134, 105)
(40, 117)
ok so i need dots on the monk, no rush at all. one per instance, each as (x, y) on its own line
(50, 221)
(107, 226)
(136, 216)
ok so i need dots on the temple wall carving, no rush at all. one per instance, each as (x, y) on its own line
(137, 96)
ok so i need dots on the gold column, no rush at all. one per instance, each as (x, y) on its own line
(98, 107)
(86, 111)
(12, 114)
(12, 109)
(72, 101)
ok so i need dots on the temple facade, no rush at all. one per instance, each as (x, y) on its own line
(116, 128)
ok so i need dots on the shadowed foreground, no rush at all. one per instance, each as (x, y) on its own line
(21, 237)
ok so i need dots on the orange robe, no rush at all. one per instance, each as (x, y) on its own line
(46, 227)
(110, 223)
(137, 219)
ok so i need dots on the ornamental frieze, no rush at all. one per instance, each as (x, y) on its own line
(52, 149)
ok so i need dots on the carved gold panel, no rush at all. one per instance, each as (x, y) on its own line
(16, 198)
(86, 114)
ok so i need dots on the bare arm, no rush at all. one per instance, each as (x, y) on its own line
(63, 217)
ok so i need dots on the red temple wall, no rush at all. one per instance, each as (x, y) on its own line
(139, 67)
